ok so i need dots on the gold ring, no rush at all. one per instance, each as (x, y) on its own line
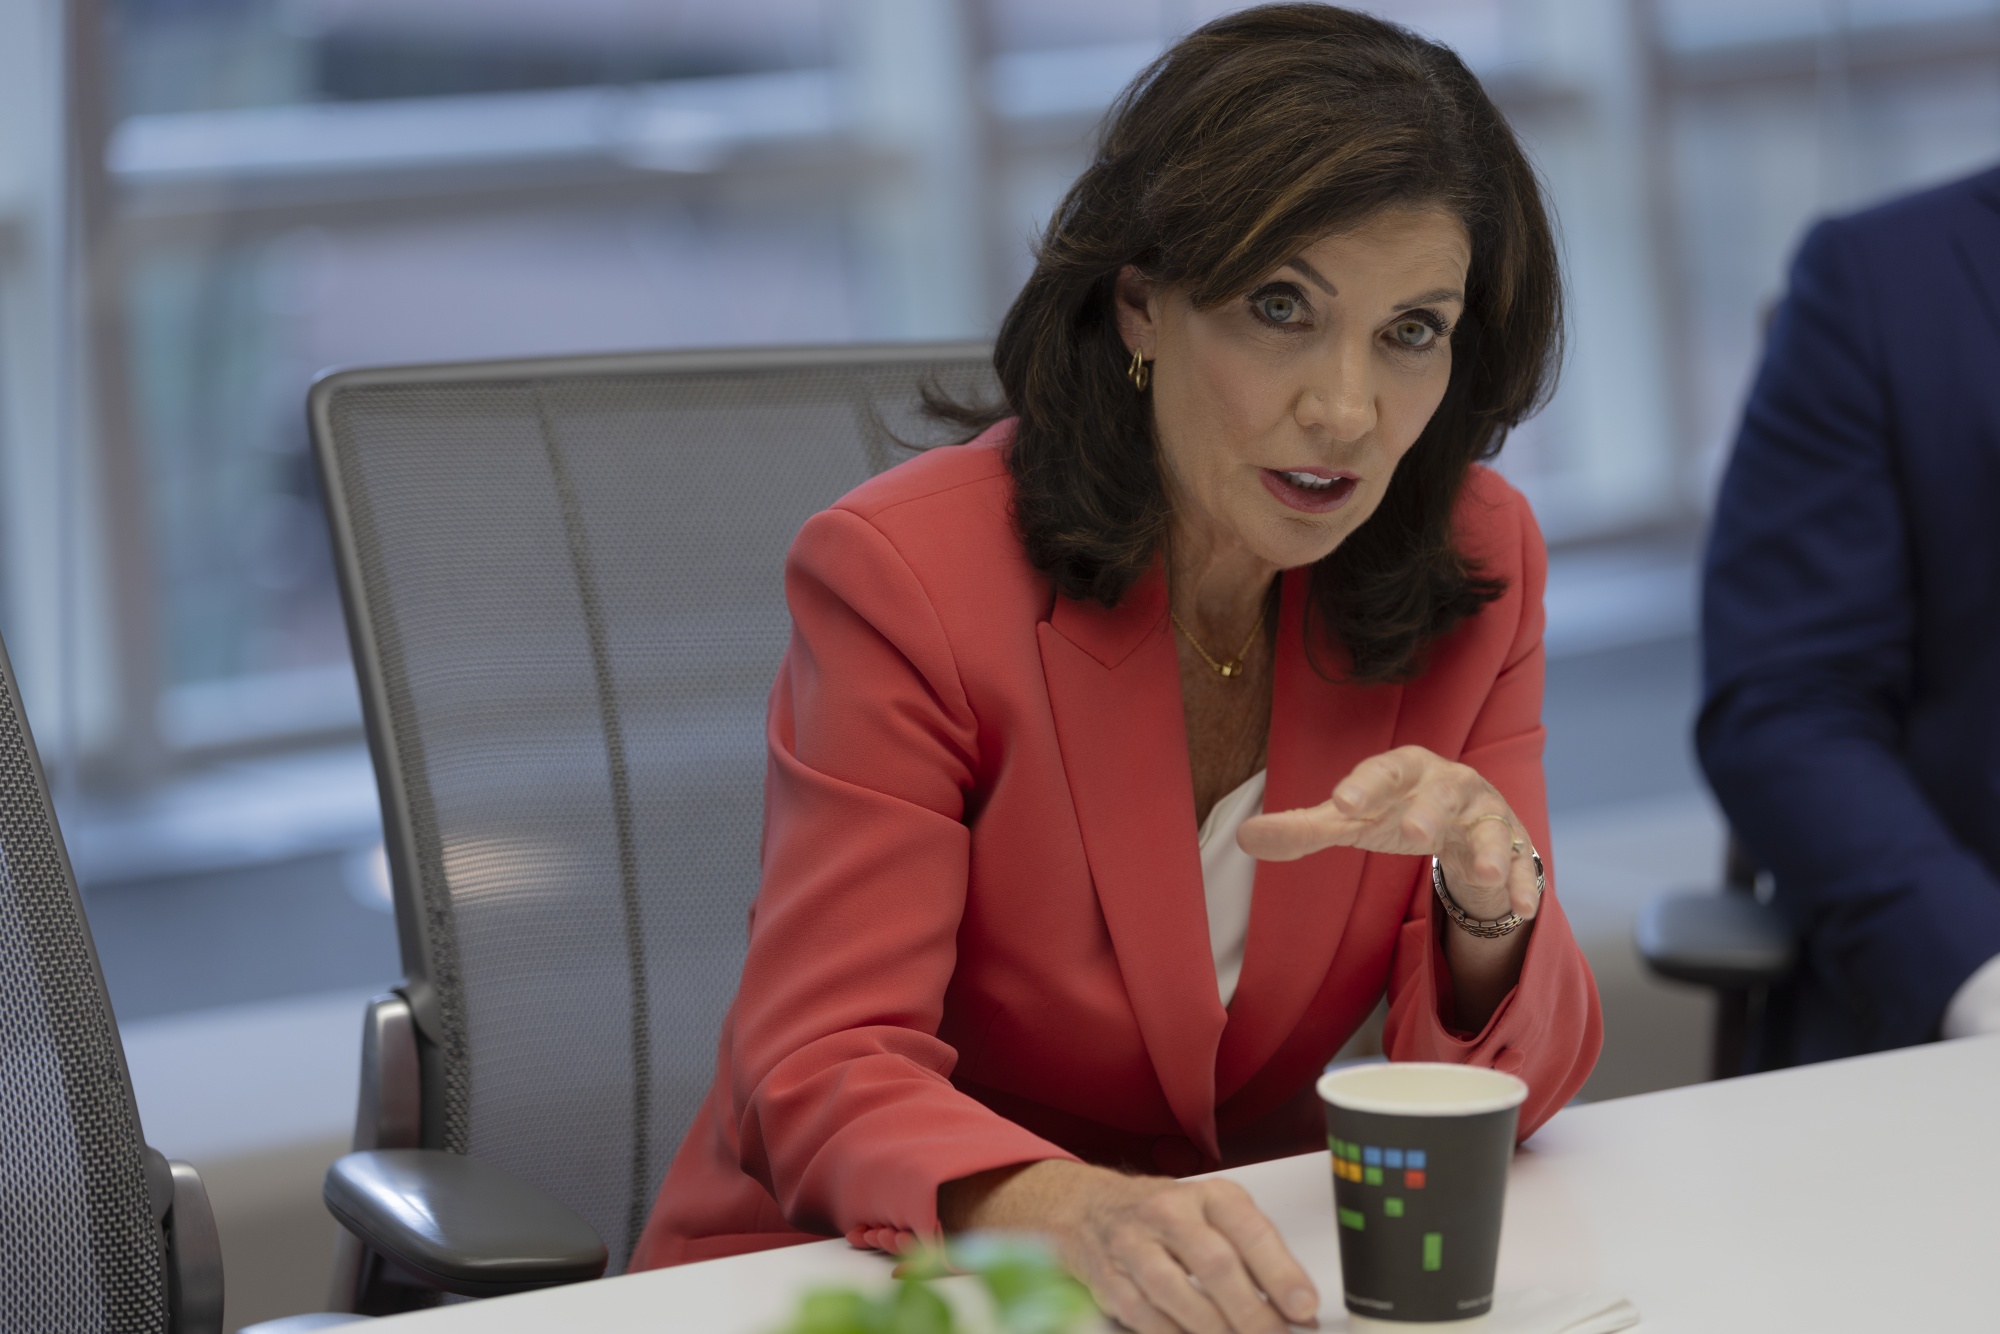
(1517, 845)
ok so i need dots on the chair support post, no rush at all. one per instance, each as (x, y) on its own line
(1732, 1030)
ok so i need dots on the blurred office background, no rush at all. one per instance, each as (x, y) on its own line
(204, 202)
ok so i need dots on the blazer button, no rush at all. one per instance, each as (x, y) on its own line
(1175, 1156)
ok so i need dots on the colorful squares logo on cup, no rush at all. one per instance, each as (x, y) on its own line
(1392, 1169)
(1371, 1165)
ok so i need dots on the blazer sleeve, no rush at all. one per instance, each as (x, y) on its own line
(1807, 623)
(842, 1095)
(1548, 1029)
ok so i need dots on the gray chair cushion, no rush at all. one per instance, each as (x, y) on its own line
(459, 1224)
(1726, 941)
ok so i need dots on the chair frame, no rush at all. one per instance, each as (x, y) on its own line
(403, 1073)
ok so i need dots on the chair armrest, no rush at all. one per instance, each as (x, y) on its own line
(194, 1248)
(460, 1225)
(389, 1113)
(1729, 942)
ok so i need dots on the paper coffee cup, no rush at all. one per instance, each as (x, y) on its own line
(1420, 1156)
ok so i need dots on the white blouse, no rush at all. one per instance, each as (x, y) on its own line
(1228, 874)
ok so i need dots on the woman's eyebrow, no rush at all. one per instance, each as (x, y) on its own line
(1442, 294)
(1310, 272)
(1430, 298)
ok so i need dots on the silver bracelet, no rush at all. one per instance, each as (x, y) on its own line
(1491, 929)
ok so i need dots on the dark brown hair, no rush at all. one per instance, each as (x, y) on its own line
(1250, 139)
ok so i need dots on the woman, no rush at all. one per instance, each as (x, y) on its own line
(1012, 963)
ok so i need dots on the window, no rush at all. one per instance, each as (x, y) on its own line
(264, 188)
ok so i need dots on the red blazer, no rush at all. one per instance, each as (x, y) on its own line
(981, 937)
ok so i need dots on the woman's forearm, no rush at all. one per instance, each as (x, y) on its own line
(1482, 971)
(1038, 1197)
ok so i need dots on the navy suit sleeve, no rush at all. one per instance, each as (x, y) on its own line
(1807, 625)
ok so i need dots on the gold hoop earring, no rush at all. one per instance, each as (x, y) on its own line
(1139, 372)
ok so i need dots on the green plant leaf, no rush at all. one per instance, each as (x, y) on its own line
(1031, 1292)
(919, 1310)
(832, 1311)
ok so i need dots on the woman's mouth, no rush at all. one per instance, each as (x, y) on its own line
(1314, 490)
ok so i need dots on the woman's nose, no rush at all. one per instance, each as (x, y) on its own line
(1339, 399)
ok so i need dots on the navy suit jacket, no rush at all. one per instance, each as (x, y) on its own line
(1851, 617)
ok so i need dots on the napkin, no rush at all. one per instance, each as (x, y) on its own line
(1539, 1311)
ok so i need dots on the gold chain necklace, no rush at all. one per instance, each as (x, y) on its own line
(1230, 666)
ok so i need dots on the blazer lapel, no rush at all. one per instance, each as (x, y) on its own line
(1320, 729)
(1114, 688)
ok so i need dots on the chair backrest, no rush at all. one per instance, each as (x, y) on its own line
(81, 1246)
(564, 588)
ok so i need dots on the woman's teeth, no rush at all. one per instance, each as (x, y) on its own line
(1308, 480)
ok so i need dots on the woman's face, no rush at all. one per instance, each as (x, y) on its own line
(1282, 413)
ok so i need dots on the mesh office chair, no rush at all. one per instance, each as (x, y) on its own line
(563, 581)
(98, 1232)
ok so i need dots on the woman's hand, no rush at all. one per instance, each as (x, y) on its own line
(1410, 800)
(1160, 1256)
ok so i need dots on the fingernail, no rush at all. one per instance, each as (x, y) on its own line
(1301, 1305)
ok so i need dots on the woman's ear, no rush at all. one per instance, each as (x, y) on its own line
(1132, 297)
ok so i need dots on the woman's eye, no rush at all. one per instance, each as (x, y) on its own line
(1277, 307)
(1413, 333)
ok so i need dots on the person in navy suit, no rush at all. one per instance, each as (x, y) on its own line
(1851, 626)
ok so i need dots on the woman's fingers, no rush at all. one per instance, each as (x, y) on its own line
(1270, 1263)
(1284, 836)
(1493, 841)
(1430, 818)
(1195, 1257)
(1415, 803)
(1221, 1290)
(1119, 1297)
(1478, 863)
(1380, 780)
(1166, 1287)
(1487, 858)
(1207, 1255)
(1411, 801)
(1522, 890)
(1387, 804)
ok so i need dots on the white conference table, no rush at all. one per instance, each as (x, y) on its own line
(1857, 1195)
